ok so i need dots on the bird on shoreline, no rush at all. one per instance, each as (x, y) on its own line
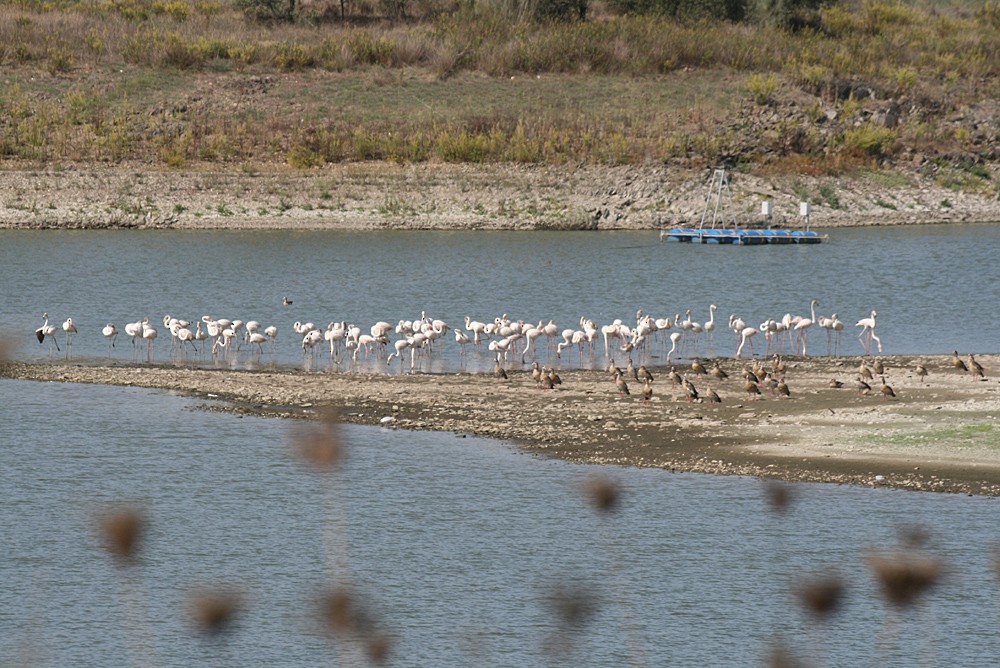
(887, 391)
(783, 390)
(111, 333)
(644, 373)
(957, 362)
(921, 372)
(621, 384)
(836, 384)
(863, 388)
(975, 368)
(46, 330)
(498, 371)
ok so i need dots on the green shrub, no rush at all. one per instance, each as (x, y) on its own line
(870, 139)
(762, 88)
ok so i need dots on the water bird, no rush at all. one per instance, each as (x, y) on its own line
(647, 390)
(836, 384)
(783, 390)
(863, 387)
(110, 332)
(644, 373)
(70, 330)
(692, 392)
(975, 368)
(867, 334)
(921, 371)
(47, 330)
(887, 391)
(957, 362)
(751, 388)
(286, 301)
(718, 372)
(713, 397)
(621, 384)
(498, 371)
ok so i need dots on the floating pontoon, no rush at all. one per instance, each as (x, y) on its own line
(720, 231)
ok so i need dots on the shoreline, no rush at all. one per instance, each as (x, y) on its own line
(433, 196)
(938, 436)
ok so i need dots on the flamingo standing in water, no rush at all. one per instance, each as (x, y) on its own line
(47, 330)
(802, 327)
(70, 330)
(746, 336)
(867, 333)
(111, 333)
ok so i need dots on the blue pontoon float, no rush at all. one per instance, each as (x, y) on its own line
(719, 231)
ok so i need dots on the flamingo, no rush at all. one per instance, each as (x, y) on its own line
(674, 338)
(477, 328)
(259, 339)
(111, 333)
(199, 335)
(746, 336)
(709, 326)
(400, 345)
(867, 333)
(70, 330)
(462, 339)
(47, 330)
(184, 335)
(134, 329)
(250, 328)
(838, 326)
(803, 325)
(149, 333)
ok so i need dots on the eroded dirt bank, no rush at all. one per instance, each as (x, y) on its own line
(937, 435)
(376, 195)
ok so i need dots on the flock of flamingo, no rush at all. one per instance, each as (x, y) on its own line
(508, 340)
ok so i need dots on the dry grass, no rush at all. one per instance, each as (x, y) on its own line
(171, 83)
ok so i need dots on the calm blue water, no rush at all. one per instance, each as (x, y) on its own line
(932, 286)
(455, 543)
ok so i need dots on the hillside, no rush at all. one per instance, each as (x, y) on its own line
(173, 114)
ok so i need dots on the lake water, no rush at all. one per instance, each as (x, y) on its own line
(457, 545)
(933, 286)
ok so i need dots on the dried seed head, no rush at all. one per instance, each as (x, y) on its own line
(379, 646)
(213, 611)
(779, 495)
(338, 610)
(781, 657)
(914, 537)
(319, 443)
(574, 606)
(603, 492)
(822, 595)
(345, 615)
(904, 577)
(121, 530)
